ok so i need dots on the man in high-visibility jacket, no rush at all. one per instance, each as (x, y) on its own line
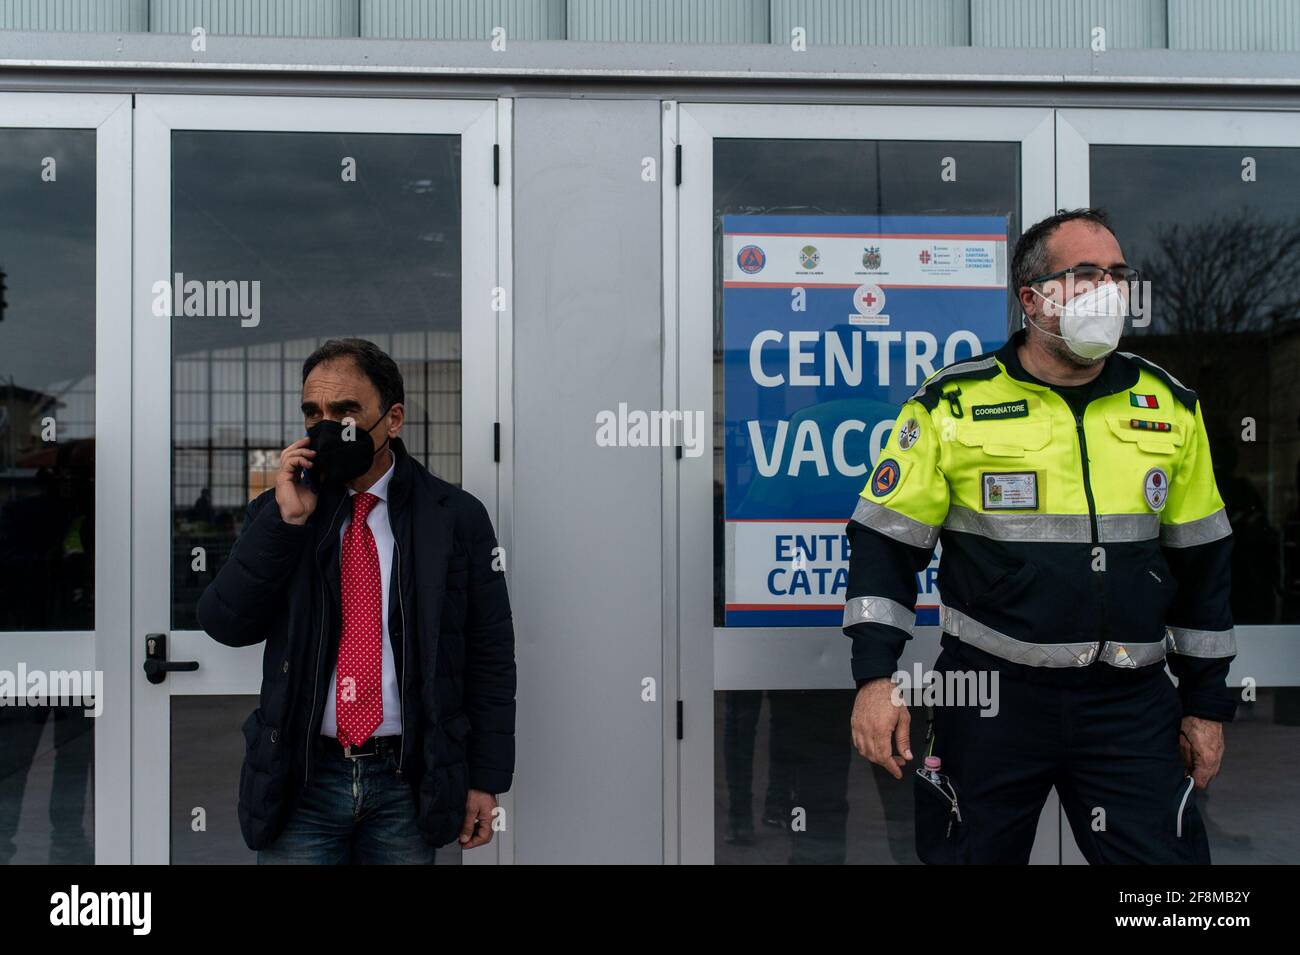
(1084, 546)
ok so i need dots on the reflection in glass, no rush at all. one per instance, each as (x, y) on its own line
(1220, 242)
(47, 379)
(47, 809)
(207, 751)
(47, 475)
(345, 235)
(789, 750)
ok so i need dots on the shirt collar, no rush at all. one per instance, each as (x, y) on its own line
(380, 488)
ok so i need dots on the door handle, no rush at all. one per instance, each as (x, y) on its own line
(156, 664)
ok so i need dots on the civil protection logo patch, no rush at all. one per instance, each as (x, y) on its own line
(885, 477)
(1155, 488)
(751, 259)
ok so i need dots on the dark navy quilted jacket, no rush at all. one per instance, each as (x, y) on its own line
(452, 635)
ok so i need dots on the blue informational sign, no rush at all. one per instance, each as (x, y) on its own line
(829, 323)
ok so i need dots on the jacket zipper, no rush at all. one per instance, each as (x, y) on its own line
(1092, 520)
(1087, 484)
(320, 646)
(401, 609)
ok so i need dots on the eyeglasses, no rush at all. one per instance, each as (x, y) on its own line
(1093, 274)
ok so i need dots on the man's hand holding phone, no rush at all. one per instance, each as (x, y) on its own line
(295, 498)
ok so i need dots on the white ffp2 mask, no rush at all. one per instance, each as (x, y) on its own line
(1091, 323)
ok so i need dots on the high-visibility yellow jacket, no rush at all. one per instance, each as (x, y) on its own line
(1068, 543)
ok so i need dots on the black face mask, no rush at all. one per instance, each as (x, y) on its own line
(339, 460)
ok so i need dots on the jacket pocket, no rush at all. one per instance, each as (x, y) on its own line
(1006, 587)
(445, 785)
(457, 729)
(941, 834)
(262, 801)
(458, 571)
(1005, 440)
(1160, 443)
(1162, 584)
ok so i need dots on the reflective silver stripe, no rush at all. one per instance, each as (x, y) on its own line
(893, 524)
(1060, 528)
(878, 610)
(1212, 527)
(969, 630)
(1206, 644)
(1133, 654)
(1070, 528)
(960, 368)
(1114, 528)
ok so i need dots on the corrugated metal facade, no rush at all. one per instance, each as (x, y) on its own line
(669, 21)
(874, 22)
(1261, 25)
(1128, 24)
(463, 19)
(1226, 25)
(75, 16)
(333, 18)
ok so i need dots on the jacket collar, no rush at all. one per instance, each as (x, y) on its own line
(328, 514)
(1119, 373)
(399, 485)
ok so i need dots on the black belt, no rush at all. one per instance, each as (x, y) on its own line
(374, 746)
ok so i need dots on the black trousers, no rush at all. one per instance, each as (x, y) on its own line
(1111, 751)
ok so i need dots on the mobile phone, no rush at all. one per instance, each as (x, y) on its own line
(305, 477)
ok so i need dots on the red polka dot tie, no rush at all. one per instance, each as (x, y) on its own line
(359, 690)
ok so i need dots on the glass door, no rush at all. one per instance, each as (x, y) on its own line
(1205, 205)
(65, 445)
(830, 258)
(263, 227)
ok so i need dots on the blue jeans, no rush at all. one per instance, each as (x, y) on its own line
(354, 811)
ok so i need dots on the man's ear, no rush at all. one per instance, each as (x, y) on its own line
(1029, 302)
(396, 417)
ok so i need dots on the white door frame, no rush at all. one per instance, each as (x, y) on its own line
(502, 848)
(1266, 653)
(675, 678)
(223, 670)
(105, 648)
(690, 251)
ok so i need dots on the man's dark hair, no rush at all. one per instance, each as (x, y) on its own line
(1030, 258)
(373, 362)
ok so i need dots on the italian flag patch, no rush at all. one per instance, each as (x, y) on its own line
(1142, 401)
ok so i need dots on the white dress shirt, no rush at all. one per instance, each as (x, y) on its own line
(377, 521)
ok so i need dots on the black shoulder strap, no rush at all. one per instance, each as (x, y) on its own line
(1180, 391)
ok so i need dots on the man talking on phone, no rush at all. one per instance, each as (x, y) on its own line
(385, 724)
